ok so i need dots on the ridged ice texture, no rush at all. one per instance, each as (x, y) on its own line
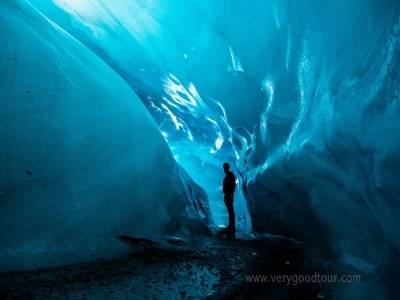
(82, 161)
(138, 40)
(303, 95)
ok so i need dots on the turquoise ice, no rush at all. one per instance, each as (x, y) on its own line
(301, 97)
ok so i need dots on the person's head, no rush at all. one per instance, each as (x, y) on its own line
(226, 167)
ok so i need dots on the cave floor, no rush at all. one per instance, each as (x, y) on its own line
(215, 268)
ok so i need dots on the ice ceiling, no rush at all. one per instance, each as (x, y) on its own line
(301, 97)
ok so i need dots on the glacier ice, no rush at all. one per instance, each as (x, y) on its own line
(82, 161)
(195, 128)
(302, 96)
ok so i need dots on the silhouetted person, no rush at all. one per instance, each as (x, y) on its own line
(229, 186)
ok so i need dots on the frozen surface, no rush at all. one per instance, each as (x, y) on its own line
(82, 161)
(302, 96)
(138, 40)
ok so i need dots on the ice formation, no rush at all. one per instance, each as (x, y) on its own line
(82, 161)
(301, 96)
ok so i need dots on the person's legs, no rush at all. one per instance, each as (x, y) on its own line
(231, 212)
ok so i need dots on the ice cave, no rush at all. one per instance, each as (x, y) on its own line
(116, 117)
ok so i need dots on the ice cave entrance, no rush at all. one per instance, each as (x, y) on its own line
(201, 140)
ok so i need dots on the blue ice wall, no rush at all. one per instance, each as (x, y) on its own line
(302, 96)
(137, 40)
(82, 161)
